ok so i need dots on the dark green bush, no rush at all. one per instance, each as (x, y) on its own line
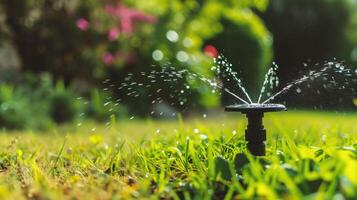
(12, 116)
(18, 111)
(33, 102)
(63, 105)
(12, 112)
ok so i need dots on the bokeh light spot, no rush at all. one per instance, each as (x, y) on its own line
(172, 36)
(157, 55)
(211, 51)
(182, 56)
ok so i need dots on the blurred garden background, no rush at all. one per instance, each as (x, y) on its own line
(57, 55)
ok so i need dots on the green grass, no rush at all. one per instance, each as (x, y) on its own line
(310, 155)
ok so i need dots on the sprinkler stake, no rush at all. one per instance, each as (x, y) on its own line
(255, 134)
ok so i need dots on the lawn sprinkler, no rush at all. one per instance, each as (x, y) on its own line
(255, 134)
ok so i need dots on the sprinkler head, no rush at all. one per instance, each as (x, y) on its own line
(255, 134)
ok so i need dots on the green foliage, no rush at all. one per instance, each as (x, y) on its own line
(12, 114)
(63, 106)
(34, 103)
(82, 40)
(18, 111)
(222, 168)
(231, 26)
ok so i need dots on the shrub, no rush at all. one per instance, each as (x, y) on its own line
(91, 40)
(12, 113)
(33, 102)
(63, 105)
(18, 111)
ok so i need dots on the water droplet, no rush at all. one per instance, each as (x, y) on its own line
(214, 84)
(298, 90)
(158, 131)
(354, 54)
(323, 138)
(196, 130)
(157, 55)
(234, 132)
(172, 36)
(182, 56)
(187, 42)
(203, 137)
(204, 115)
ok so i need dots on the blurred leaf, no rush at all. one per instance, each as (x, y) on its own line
(222, 169)
(355, 102)
(95, 139)
(240, 161)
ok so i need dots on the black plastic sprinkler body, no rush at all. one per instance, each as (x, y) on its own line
(255, 134)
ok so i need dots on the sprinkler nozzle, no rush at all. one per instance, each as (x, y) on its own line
(255, 134)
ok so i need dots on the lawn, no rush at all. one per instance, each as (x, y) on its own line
(309, 155)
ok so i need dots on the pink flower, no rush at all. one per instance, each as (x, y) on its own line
(108, 58)
(113, 34)
(210, 51)
(128, 17)
(82, 24)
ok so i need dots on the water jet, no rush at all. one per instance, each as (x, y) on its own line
(255, 134)
(333, 75)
